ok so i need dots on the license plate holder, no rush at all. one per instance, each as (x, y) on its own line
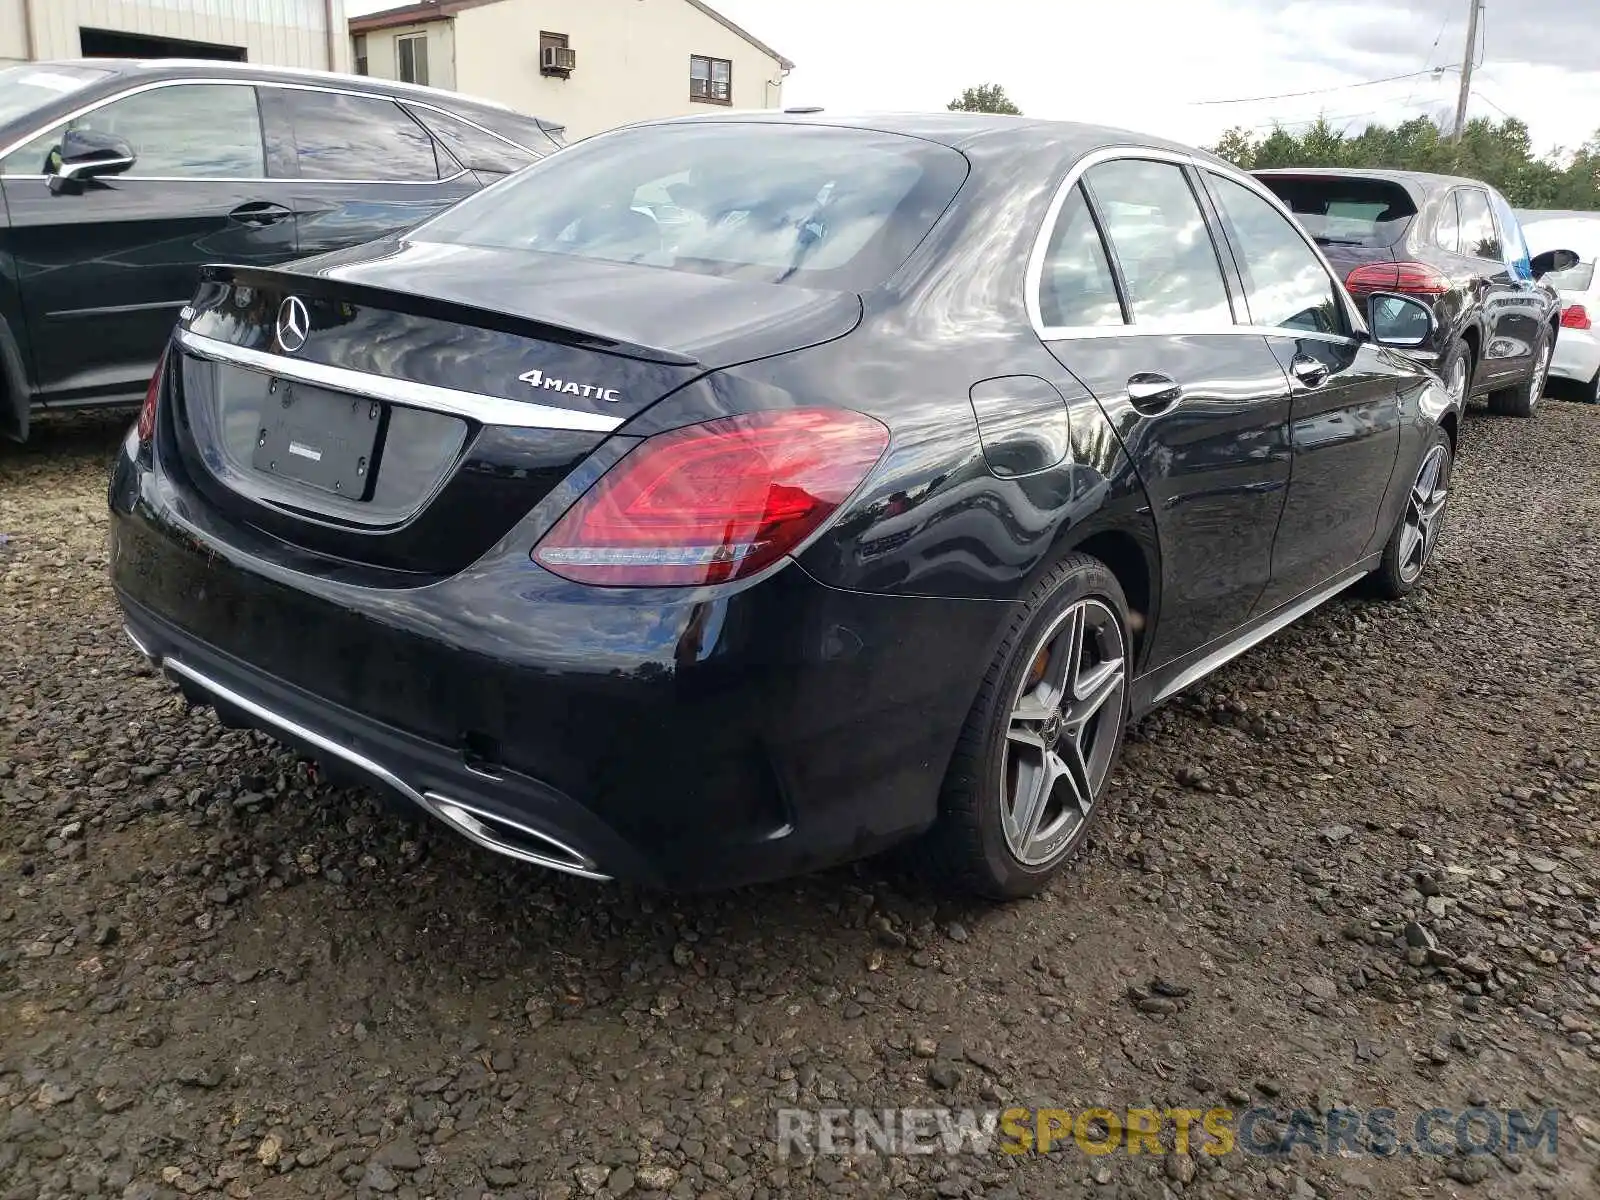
(322, 439)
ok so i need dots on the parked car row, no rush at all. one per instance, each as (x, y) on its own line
(121, 179)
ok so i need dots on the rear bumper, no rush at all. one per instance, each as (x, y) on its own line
(1576, 355)
(683, 740)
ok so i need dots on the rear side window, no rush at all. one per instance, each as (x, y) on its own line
(1285, 284)
(1447, 226)
(472, 147)
(1076, 287)
(768, 202)
(1161, 241)
(1479, 237)
(1338, 211)
(339, 136)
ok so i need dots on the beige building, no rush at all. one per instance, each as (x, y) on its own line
(281, 33)
(589, 65)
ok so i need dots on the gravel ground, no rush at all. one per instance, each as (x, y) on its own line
(1360, 864)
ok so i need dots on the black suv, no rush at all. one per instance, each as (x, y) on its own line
(121, 178)
(1454, 244)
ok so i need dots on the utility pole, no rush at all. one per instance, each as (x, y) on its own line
(1466, 68)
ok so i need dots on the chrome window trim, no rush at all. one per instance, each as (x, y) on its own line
(190, 81)
(1034, 276)
(489, 410)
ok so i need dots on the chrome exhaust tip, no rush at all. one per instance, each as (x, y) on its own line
(511, 838)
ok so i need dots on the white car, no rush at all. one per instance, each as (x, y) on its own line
(1577, 352)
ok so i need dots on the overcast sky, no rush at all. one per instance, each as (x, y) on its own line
(1148, 64)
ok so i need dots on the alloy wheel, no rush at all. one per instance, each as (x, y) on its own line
(1541, 369)
(1063, 731)
(1457, 382)
(1425, 513)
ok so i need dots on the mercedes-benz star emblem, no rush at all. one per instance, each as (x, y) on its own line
(294, 324)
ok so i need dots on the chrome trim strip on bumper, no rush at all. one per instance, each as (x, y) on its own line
(476, 824)
(1255, 637)
(490, 410)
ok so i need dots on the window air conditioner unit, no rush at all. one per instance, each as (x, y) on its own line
(558, 58)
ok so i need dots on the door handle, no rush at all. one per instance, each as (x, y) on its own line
(1309, 371)
(1153, 394)
(260, 212)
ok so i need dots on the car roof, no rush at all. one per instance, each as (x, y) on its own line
(975, 134)
(178, 68)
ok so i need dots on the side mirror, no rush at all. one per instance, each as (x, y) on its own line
(1553, 260)
(1402, 322)
(88, 154)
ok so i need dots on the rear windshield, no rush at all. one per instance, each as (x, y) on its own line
(1346, 212)
(25, 88)
(769, 202)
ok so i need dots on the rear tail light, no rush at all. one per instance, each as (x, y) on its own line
(1409, 278)
(1575, 316)
(152, 396)
(714, 502)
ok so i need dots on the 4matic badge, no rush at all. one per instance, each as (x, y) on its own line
(567, 387)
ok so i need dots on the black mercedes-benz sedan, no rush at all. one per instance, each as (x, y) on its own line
(120, 179)
(1456, 245)
(726, 497)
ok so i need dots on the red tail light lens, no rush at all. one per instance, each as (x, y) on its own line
(715, 502)
(1410, 278)
(152, 394)
(1575, 316)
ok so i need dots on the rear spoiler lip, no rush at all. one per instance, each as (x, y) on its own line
(420, 305)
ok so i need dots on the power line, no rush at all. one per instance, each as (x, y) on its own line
(1331, 118)
(1321, 91)
(1432, 50)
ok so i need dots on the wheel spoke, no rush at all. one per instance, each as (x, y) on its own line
(1066, 654)
(1025, 735)
(1410, 540)
(1032, 797)
(1031, 708)
(1094, 687)
(1071, 762)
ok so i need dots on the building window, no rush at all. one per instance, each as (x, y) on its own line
(554, 55)
(360, 46)
(710, 79)
(413, 55)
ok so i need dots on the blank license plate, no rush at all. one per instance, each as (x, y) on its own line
(321, 439)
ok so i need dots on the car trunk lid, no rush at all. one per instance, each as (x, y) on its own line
(402, 406)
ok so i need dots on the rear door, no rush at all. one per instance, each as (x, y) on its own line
(104, 265)
(1507, 302)
(1200, 403)
(1345, 413)
(362, 167)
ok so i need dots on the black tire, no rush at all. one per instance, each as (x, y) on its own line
(1398, 574)
(1591, 391)
(1522, 399)
(968, 848)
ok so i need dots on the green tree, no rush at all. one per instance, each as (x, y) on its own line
(1499, 153)
(985, 98)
